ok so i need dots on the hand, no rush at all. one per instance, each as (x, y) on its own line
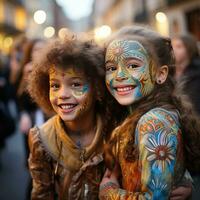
(181, 193)
(109, 177)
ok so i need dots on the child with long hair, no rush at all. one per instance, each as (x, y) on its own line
(66, 152)
(148, 154)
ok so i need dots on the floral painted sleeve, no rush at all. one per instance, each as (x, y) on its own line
(158, 138)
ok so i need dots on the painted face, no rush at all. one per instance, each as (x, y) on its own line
(129, 71)
(70, 94)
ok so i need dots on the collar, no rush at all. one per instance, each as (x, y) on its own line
(63, 149)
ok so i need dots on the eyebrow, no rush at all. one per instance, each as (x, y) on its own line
(131, 58)
(110, 61)
(126, 59)
(72, 78)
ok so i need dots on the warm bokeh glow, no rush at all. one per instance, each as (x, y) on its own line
(102, 32)
(39, 17)
(20, 18)
(161, 17)
(162, 24)
(1, 11)
(8, 41)
(62, 32)
(49, 32)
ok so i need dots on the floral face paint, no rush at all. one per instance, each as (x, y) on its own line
(129, 71)
(70, 94)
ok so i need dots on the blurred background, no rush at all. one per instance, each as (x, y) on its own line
(50, 18)
(25, 25)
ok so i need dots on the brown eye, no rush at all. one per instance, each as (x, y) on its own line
(110, 68)
(54, 86)
(132, 66)
(76, 84)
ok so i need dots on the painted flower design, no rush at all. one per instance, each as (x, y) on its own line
(161, 150)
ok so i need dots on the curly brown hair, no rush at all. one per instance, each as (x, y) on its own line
(84, 55)
(164, 95)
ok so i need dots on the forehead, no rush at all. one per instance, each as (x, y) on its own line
(126, 48)
(70, 72)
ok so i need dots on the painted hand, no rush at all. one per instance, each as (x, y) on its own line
(109, 179)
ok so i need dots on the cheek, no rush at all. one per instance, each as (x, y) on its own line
(137, 75)
(82, 93)
(78, 94)
(109, 80)
(52, 97)
(85, 102)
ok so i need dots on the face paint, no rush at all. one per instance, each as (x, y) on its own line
(70, 94)
(80, 91)
(129, 71)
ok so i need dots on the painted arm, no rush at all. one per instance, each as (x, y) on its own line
(158, 138)
(40, 170)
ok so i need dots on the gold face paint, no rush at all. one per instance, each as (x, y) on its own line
(128, 71)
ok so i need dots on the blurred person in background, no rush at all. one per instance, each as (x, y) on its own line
(9, 80)
(188, 76)
(30, 113)
(7, 122)
(16, 56)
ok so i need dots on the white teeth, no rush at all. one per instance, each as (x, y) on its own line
(67, 106)
(124, 89)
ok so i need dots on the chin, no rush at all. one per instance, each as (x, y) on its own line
(127, 101)
(67, 118)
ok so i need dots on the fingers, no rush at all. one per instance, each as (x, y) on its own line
(180, 193)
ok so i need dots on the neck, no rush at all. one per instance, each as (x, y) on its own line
(82, 125)
(130, 109)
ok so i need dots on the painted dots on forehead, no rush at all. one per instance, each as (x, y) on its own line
(121, 49)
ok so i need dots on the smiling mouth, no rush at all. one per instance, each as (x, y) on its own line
(124, 90)
(66, 108)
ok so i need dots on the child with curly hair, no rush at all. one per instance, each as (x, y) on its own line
(66, 152)
(149, 152)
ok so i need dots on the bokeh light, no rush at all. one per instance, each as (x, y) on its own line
(49, 32)
(161, 17)
(63, 32)
(39, 16)
(102, 32)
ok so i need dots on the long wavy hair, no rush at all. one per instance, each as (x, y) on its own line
(165, 95)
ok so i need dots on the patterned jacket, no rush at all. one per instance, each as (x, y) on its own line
(60, 169)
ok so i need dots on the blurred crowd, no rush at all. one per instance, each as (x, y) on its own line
(18, 113)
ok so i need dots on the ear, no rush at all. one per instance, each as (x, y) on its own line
(161, 74)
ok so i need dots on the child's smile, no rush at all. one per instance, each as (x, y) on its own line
(67, 107)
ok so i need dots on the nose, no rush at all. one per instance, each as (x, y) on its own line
(64, 93)
(118, 78)
(121, 75)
